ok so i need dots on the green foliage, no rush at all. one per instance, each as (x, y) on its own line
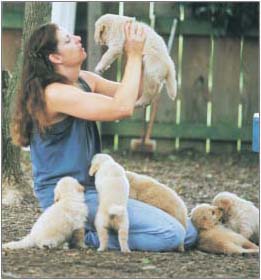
(234, 18)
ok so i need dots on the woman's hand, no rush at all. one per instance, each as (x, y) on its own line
(135, 39)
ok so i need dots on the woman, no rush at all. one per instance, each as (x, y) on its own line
(56, 111)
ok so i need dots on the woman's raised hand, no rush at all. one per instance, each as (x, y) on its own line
(134, 39)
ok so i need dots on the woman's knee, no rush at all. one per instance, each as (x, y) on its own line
(165, 239)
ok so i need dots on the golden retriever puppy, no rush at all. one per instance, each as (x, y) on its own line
(239, 214)
(113, 192)
(158, 67)
(61, 222)
(214, 237)
(150, 191)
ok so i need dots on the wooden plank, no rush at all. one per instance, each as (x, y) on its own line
(195, 27)
(165, 146)
(110, 7)
(166, 9)
(140, 10)
(167, 108)
(11, 44)
(194, 88)
(226, 71)
(185, 130)
(13, 20)
(251, 94)
(13, 15)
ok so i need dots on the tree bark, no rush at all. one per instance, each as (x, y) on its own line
(94, 11)
(36, 14)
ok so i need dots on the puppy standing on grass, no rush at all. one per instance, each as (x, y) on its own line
(158, 65)
(214, 237)
(61, 222)
(239, 214)
(113, 190)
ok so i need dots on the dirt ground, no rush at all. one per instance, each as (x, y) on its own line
(197, 178)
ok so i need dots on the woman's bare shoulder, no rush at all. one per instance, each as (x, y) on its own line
(90, 78)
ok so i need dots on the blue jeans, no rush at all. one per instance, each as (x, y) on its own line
(151, 229)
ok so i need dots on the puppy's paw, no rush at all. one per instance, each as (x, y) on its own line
(99, 69)
(100, 249)
(181, 248)
(125, 250)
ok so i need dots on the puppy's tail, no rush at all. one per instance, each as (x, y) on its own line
(116, 210)
(26, 242)
(171, 82)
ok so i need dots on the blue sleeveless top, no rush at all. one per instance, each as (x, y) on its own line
(65, 149)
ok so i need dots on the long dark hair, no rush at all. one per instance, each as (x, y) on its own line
(37, 73)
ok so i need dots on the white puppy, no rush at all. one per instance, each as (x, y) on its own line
(239, 214)
(113, 190)
(214, 237)
(61, 222)
(158, 65)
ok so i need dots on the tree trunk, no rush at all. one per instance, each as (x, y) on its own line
(94, 11)
(14, 184)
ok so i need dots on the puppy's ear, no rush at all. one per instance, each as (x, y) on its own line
(57, 196)
(80, 188)
(102, 34)
(226, 203)
(93, 169)
(99, 35)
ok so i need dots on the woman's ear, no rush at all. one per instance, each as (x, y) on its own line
(55, 58)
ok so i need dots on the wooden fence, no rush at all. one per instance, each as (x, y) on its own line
(218, 85)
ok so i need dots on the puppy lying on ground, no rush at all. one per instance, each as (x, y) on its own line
(239, 214)
(113, 190)
(158, 65)
(150, 191)
(214, 237)
(61, 222)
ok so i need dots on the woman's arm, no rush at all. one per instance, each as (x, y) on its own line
(103, 86)
(99, 84)
(61, 98)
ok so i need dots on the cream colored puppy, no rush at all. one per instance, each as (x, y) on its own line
(113, 191)
(214, 237)
(239, 214)
(150, 191)
(158, 66)
(61, 222)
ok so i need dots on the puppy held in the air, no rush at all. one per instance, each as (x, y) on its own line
(158, 67)
(113, 191)
(214, 237)
(239, 214)
(150, 191)
(61, 222)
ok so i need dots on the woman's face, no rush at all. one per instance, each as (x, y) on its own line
(70, 48)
